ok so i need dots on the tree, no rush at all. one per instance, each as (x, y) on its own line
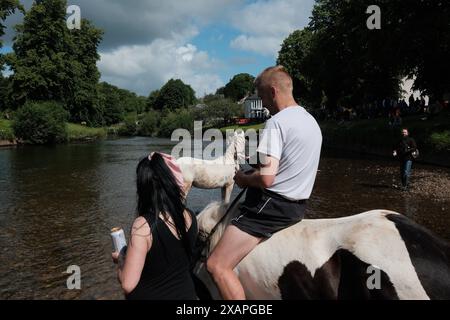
(338, 55)
(7, 7)
(113, 108)
(239, 86)
(149, 124)
(175, 94)
(51, 62)
(5, 92)
(41, 123)
(151, 100)
(295, 55)
(220, 91)
(176, 119)
(219, 110)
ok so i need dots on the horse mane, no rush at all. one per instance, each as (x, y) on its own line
(209, 217)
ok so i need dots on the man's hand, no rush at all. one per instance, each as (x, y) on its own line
(394, 153)
(240, 179)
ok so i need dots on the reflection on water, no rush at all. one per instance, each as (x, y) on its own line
(57, 205)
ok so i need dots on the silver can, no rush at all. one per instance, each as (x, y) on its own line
(118, 239)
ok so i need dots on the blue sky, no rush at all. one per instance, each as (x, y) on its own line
(203, 42)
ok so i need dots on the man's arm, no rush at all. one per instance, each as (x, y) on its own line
(262, 178)
(413, 144)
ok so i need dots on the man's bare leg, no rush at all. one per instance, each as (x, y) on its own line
(234, 245)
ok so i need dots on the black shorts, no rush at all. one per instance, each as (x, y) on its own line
(264, 212)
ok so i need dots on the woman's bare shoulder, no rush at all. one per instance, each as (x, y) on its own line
(140, 227)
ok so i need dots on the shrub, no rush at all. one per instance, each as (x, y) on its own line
(41, 123)
(441, 140)
(129, 127)
(181, 118)
(6, 132)
(149, 124)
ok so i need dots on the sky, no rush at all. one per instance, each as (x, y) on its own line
(202, 42)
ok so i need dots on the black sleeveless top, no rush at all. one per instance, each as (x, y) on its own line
(166, 274)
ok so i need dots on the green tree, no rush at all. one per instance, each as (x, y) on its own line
(218, 110)
(338, 55)
(176, 119)
(295, 55)
(151, 100)
(113, 108)
(5, 92)
(41, 123)
(51, 62)
(239, 86)
(149, 124)
(7, 7)
(175, 94)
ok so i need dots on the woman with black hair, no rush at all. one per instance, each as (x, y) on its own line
(159, 254)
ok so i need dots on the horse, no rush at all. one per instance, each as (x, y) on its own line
(378, 254)
(217, 173)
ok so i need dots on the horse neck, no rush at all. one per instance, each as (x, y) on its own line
(229, 154)
(211, 216)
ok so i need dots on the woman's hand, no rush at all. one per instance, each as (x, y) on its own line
(115, 257)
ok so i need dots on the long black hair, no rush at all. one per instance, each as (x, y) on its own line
(158, 193)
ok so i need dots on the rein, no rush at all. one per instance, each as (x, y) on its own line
(204, 239)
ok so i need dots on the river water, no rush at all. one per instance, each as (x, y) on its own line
(57, 205)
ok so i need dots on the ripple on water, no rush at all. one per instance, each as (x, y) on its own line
(59, 204)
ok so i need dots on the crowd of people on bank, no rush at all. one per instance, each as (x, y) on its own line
(392, 109)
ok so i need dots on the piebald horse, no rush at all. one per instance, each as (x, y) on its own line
(217, 173)
(337, 259)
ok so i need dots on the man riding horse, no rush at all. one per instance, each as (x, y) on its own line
(277, 192)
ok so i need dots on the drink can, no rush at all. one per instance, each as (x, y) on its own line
(118, 239)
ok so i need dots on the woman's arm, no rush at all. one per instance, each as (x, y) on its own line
(140, 243)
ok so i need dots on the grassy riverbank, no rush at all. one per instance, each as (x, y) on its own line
(78, 133)
(75, 133)
(6, 131)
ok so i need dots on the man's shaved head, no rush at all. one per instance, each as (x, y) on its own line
(276, 77)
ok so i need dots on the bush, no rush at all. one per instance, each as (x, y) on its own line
(41, 123)
(149, 124)
(441, 140)
(129, 127)
(6, 132)
(181, 118)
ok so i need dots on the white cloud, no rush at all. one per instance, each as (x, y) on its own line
(265, 24)
(143, 68)
(141, 21)
(264, 45)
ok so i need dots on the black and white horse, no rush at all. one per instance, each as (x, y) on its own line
(377, 254)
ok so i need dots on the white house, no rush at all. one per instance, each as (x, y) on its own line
(253, 108)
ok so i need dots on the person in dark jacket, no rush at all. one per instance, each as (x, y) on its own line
(405, 150)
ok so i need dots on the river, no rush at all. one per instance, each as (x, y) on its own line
(57, 205)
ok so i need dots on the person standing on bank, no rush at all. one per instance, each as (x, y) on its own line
(158, 257)
(289, 150)
(405, 151)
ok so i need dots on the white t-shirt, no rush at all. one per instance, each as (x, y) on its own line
(294, 137)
